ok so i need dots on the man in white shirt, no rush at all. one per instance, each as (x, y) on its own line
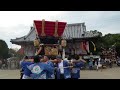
(60, 65)
(63, 69)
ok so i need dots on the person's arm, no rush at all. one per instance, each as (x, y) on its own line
(49, 68)
(54, 61)
(83, 60)
(68, 64)
(40, 48)
(76, 61)
(80, 64)
(30, 60)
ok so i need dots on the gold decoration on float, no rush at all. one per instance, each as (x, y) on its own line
(36, 43)
(63, 43)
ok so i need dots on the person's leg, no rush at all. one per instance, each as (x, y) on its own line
(102, 67)
(89, 68)
(55, 73)
(97, 67)
(110, 65)
(21, 75)
(62, 76)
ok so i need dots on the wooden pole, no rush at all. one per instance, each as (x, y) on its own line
(43, 28)
(63, 54)
(56, 29)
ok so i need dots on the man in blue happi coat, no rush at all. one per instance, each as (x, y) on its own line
(38, 70)
(51, 63)
(77, 64)
(63, 69)
(91, 63)
(24, 63)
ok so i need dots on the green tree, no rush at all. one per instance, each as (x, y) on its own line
(15, 53)
(3, 49)
(112, 39)
(106, 41)
(12, 52)
(96, 32)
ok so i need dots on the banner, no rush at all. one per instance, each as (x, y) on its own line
(87, 46)
(94, 46)
(84, 46)
(81, 46)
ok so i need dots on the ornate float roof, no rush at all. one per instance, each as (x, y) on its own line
(49, 27)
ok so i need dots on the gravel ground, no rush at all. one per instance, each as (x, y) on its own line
(109, 73)
(9, 74)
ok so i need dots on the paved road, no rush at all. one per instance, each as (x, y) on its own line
(110, 73)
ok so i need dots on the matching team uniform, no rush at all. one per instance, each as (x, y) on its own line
(38, 71)
(46, 70)
(24, 65)
(67, 71)
(75, 72)
(51, 75)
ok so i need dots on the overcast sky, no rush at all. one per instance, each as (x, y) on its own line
(17, 23)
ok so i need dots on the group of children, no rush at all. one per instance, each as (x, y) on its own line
(41, 67)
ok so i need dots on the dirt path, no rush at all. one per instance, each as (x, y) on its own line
(9, 74)
(110, 73)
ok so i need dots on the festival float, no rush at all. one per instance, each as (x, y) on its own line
(48, 36)
(56, 38)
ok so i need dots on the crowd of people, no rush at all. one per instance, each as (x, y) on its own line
(101, 63)
(3, 64)
(42, 67)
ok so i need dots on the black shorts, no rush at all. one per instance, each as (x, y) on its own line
(21, 75)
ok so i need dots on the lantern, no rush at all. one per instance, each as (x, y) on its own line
(36, 43)
(54, 51)
(63, 43)
(47, 50)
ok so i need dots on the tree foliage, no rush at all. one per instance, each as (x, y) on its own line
(5, 52)
(112, 39)
(3, 49)
(12, 52)
(15, 53)
(96, 32)
(106, 41)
